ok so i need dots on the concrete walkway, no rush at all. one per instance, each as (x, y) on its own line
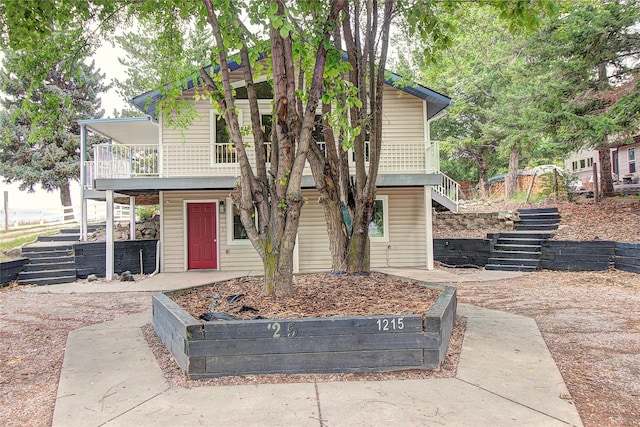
(176, 281)
(506, 376)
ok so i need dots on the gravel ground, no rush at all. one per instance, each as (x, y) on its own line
(590, 322)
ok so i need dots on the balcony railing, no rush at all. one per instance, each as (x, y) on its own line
(196, 160)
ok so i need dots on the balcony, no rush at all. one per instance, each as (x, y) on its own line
(219, 160)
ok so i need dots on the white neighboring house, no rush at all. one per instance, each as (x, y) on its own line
(625, 165)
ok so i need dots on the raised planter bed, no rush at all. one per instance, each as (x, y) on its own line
(306, 345)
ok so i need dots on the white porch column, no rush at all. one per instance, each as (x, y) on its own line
(132, 217)
(428, 226)
(109, 259)
(83, 183)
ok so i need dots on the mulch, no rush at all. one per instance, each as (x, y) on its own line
(315, 295)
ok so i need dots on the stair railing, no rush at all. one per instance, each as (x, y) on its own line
(450, 190)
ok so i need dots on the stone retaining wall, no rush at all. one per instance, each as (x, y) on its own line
(475, 220)
(306, 345)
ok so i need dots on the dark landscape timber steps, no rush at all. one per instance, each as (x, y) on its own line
(521, 250)
(539, 219)
(51, 259)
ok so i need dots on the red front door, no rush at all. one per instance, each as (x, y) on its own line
(202, 235)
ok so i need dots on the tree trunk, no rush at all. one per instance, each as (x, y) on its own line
(511, 180)
(278, 271)
(337, 232)
(358, 258)
(276, 201)
(482, 176)
(606, 179)
(65, 200)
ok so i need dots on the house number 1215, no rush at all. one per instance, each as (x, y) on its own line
(391, 324)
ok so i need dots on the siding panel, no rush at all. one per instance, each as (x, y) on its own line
(234, 257)
(406, 246)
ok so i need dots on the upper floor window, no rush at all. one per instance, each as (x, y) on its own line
(574, 165)
(222, 150)
(264, 90)
(583, 163)
(632, 160)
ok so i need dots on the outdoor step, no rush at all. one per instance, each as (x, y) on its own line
(516, 254)
(37, 254)
(70, 231)
(513, 261)
(509, 268)
(516, 247)
(540, 227)
(29, 275)
(539, 216)
(48, 280)
(90, 228)
(51, 260)
(538, 210)
(525, 235)
(60, 264)
(543, 222)
(60, 238)
(526, 242)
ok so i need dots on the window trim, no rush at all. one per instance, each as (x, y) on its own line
(631, 152)
(231, 240)
(213, 113)
(385, 225)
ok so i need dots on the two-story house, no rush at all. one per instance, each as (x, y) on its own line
(190, 173)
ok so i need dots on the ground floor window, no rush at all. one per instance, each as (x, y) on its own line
(236, 231)
(379, 225)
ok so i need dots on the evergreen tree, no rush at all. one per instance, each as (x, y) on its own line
(40, 142)
(151, 63)
(591, 58)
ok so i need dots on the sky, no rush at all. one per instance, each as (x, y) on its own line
(106, 58)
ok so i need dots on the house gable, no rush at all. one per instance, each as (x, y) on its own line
(436, 102)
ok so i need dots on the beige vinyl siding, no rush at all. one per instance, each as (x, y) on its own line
(406, 245)
(403, 117)
(313, 241)
(230, 257)
(198, 131)
(188, 149)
